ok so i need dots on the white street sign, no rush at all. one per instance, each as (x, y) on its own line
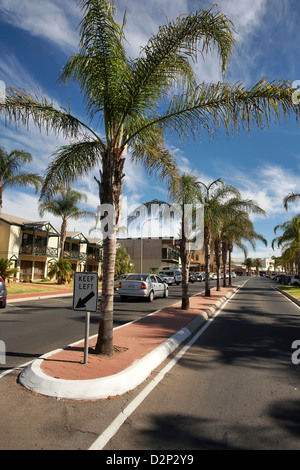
(85, 292)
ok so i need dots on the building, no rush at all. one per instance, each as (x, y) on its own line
(33, 246)
(149, 253)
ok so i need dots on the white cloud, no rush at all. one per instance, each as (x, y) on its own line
(53, 20)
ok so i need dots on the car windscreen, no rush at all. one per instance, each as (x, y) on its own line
(137, 277)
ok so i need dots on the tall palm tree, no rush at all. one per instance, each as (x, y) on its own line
(125, 95)
(212, 195)
(188, 196)
(238, 229)
(238, 232)
(11, 173)
(257, 263)
(248, 263)
(66, 207)
(183, 206)
(290, 239)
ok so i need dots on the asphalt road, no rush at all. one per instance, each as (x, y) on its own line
(32, 328)
(235, 387)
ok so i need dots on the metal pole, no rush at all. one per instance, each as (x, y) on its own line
(86, 337)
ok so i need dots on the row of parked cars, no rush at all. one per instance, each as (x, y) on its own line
(288, 279)
(149, 286)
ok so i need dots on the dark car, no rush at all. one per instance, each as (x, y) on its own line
(192, 277)
(3, 293)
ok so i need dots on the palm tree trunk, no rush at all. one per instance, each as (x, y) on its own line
(110, 192)
(1, 197)
(224, 256)
(63, 234)
(105, 330)
(185, 263)
(207, 259)
(217, 260)
(229, 266)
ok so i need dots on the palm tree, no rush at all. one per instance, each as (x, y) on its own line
(188, 194)
(183, 204)
(5, 270)
(290, 239)
(11, 164)
(65, 206)
(237, 232)
(257, 263)
(125, 95)
(61, 269)
(237, 228)
(248, 263)
(212, 196)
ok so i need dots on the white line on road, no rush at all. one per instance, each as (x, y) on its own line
(112, 429)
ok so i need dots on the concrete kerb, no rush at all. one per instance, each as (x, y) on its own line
(34, 379)
(289, 296)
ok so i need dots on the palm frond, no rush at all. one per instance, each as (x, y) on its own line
(69, 163)
(24, 179)
(22, 107)
(290, 198)
(100, 66)
(233, 107)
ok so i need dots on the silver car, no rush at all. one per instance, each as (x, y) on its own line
(147, 286)
(118, 279)
(3, 293)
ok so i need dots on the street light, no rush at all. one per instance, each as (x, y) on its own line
(148, 220)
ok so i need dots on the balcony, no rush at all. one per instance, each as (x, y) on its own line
(168, 254)
(74, 254)
(30, 249)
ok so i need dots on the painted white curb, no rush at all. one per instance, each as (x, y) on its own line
(34, 379)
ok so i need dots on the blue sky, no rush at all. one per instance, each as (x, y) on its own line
(37, 37)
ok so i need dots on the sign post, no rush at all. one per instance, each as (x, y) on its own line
(85, 298)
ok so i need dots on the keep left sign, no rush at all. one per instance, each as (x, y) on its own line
(85, 292)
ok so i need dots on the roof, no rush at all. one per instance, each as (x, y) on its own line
(42, 225)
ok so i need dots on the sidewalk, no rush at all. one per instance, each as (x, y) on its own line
(140, 347)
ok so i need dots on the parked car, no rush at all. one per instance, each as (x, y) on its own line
(233, 274)
(295, 280)
(192, 277)
(213, 276)
(167, 279)
(287, 279)
(147, 286)
(118, 279)
(3, 293)
(172, 271)
(200, 276)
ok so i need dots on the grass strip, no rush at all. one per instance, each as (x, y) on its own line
(292, 290)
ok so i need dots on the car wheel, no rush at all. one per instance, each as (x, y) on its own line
(3, 303)
(151, 296)
(166, 293)
(123, 298)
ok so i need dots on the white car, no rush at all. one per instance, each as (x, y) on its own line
(167, 279)
(295, 280)
(213, 276)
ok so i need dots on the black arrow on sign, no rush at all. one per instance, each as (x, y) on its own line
(81, 302)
